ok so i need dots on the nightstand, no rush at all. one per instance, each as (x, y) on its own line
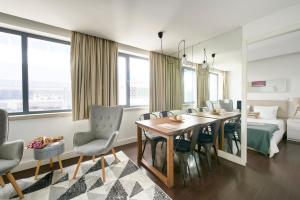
(293, 129)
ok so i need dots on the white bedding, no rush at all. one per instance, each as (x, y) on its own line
(277, 136)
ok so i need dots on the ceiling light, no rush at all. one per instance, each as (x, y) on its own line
(183, 59)
(205, 64)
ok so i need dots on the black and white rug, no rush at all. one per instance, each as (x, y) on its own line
(124, 180)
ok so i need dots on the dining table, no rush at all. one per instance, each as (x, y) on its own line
(223, 117)
(168, 128)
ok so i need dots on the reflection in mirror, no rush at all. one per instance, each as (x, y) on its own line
(217, 64)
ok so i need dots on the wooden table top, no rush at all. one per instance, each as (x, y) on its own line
(168, 127)
(223, 116)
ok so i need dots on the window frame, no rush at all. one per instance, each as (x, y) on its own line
(127, 58)
(217, 85)
(182, 72)
(25, 82)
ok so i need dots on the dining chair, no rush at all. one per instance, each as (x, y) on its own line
(184, 148)
(226, 104)
(232, 132)
(11, 154)
(210, 105)
(105, 123)
(191, 110)
(207, 139)
(166, 114)
(151, 138)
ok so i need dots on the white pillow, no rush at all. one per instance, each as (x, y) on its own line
(266, 112)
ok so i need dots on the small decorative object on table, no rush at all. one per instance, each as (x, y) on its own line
(46, 148)
(176, 118)
(41, 142)
(215, 112)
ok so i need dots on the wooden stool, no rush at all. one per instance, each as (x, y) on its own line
(49, 152)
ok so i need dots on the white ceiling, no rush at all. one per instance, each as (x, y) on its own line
(275, 46)
(136, 22)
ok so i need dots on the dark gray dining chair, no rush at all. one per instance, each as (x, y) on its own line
(165, 114)
(207, 139)
(191, 110)
(184, 148)
(11, 154)
(151, 138)
(232, 130)
(105, 123)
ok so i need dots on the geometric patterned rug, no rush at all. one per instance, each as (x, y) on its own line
(124, 180)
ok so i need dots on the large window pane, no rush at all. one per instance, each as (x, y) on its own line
(139, 81)
(189, 78)
(11, 72)
(122, 93)
(213, 87)
(48, 75)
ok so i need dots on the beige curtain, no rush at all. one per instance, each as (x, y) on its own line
(202, 85)
(93, 72)
(165, 83)
(225, 85)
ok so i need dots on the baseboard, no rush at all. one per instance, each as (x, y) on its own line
(66, 155)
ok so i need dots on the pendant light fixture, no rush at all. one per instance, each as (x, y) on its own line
(205, 64)
(183, 59)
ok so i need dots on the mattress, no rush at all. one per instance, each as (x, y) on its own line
(277, 135)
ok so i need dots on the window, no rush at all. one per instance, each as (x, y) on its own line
(122, 81)
(49, 78)
(189, 85)
(213, 86)
(35, 73)
(11, 72)
(133, 80)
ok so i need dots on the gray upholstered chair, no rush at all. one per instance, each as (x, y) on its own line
(210, 105)
(105, 123)
(226, 104)
(11, 153)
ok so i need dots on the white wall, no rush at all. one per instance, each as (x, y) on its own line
(273, 51)
(20, 24)
(235, 84)
(56, 126)
(280, 67)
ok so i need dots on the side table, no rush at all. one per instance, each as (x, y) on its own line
(49, 152)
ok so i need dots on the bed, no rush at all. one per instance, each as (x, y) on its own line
(264, 135)
(275, 138)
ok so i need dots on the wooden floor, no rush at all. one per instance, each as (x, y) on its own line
(263, 178)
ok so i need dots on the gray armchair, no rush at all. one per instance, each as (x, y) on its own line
(210, 105)
(11, 153)
(105, 123)
(227, 105)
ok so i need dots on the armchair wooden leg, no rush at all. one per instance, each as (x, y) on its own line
(14, 184)
(60, 164)
(94, 158)
(78, 164)
(38, 165)
(1, 181)
(51, 163)
(103, 168)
